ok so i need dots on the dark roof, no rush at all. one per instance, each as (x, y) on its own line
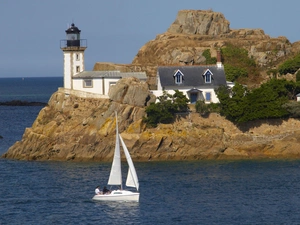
(111, 74)
(73, 29)
(192, 76)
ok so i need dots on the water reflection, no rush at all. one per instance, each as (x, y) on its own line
(119, 212)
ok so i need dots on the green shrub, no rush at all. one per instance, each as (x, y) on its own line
(201, 107)
(234, 72)
(293, 108)
(204, 109)
(290, 65)
(164, 110)
(209, 59)
(237, 64)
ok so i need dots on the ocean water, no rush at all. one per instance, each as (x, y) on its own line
(14, 119)
(195, 192)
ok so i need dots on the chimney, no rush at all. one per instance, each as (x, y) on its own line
(219, 58)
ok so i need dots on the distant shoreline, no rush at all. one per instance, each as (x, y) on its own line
(22, 103)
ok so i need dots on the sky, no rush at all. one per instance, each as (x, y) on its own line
(115, 30)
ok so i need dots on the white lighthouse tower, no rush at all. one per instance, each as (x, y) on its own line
(73, 48)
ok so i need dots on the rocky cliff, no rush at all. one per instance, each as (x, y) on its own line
(194, 31)
(83, 129)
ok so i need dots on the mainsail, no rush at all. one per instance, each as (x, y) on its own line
(115, 177)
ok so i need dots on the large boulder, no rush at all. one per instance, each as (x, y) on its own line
(199, 22)
(131, 91)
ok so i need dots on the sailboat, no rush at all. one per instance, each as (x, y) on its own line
(115, 178)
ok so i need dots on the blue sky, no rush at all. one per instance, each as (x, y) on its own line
(115, 30)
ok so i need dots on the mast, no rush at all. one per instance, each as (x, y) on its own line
(118, 141)
(115, 177)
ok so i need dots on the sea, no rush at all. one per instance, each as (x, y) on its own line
(182, 192)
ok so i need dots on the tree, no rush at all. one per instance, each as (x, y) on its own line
(290, 65)
(293, 108)
(232, 102)
(180, 101)
(263, 103)
(242, 105)
(205, 109)
(234, 72)
(164, 110)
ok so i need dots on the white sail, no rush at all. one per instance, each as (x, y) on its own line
(115, 177)
(132, 179)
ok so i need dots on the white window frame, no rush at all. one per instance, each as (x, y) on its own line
(207, 78)
(208, 94)
(86, 83)
(178, 75)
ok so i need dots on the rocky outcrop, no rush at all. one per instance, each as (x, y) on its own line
(83, 129)
(131, 92)
(199, 22)
(194, 31)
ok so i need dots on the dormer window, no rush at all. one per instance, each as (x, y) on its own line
(178, 77)
(207, 75)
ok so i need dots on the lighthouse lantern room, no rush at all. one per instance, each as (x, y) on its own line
(73, 48)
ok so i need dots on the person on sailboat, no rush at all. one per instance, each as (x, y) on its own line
(105, 191)
(97, 191)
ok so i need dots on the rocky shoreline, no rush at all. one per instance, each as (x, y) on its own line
(72, 128)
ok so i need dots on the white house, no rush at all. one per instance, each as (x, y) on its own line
(196, 82)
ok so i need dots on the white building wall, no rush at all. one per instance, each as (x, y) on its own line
(78, 84)
(77, 61)
(109, 82)
(100, 85)
(67, 70)
(73, 64)
(214, 97)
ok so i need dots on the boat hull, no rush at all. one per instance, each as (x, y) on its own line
(119, 195)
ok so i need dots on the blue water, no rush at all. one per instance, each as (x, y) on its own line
(201, 192)
(35, 89)
(14, 119)
(243, 192)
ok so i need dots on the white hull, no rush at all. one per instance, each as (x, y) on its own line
(119, 195)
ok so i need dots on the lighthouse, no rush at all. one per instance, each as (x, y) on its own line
(73, 48)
